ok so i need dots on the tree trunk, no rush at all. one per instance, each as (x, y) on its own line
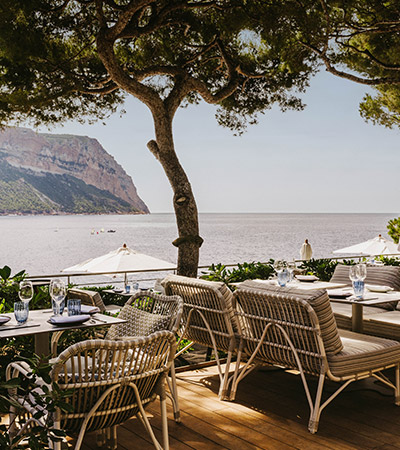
(185, 207)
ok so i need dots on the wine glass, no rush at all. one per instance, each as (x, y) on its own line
(354, 273)
(25, 292)
(362, 271)
(291, 266)
(57, 293)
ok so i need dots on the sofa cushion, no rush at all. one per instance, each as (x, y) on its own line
(319, 301)
(362, 353)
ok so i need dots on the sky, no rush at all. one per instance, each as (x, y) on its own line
(325, 158)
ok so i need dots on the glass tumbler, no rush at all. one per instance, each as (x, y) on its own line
(74, 306)
(21, 312)
(358, 288)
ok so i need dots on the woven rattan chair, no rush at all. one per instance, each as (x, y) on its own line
(147, 312)
(112, 382)
(296, 329)
(208, 318)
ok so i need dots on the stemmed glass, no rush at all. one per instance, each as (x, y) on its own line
(353, 273)
(25, 292)
(57, 293)
(291, 266)
(362, 271)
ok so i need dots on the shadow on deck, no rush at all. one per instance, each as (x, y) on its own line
(270, 412)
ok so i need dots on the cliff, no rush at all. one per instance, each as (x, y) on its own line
(62, 173)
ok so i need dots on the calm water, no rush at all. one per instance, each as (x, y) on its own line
(47, 244)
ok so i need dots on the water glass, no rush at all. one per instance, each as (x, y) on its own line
(21, 311)
(58, 309)
(127, 289)
(283, 277)
(74, 307)
(358, 288)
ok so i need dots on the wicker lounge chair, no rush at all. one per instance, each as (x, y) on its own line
(146, 312)
(208, 318)
(297, 330)
(110, 386)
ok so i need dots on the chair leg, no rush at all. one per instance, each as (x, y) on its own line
(397, 388)
(223, 389)
(174, 394)
(163, 407)
(316, 410)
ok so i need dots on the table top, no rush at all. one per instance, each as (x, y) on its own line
(119, 292)
(305, 285)
(370, 298)
(38, 323)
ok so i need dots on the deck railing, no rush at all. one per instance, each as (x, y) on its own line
(153, 273)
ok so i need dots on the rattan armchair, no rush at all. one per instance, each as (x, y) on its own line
(296, 329)
(112, 381)
(208, 318)
(146, 312)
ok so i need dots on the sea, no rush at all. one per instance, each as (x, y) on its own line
(44, 245)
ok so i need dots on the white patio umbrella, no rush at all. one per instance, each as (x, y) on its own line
(376, 246)
(120, 260)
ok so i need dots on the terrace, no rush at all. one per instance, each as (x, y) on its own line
(270, 412)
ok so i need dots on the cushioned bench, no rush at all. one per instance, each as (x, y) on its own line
(296, 329)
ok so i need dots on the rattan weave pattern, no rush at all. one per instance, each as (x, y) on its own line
(109, 385)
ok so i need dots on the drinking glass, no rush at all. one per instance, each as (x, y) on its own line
(21, 311)
(362, 271)
(25, 292)
(57, 294)
(291, 266)
(74, 306)
(283, 277)
(358, 288)
(353, 273)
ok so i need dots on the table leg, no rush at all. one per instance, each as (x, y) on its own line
(357, 317)
(42, 344)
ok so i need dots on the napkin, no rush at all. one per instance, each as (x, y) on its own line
(69, 319)
(89, 309)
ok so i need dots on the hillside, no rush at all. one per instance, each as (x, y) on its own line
(50, 174)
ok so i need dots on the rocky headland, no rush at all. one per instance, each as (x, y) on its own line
(44, 173)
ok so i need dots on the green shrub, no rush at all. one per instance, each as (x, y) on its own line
(322, 268)
(245, 271)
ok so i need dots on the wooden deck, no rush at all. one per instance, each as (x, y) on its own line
(270, 412)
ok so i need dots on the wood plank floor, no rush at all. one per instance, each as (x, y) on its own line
(270, 412)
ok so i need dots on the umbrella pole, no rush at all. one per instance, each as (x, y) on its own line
(126, 279)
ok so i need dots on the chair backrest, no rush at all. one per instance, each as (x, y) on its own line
(147, 312)
(213, 301)
(91, 298)
(290, 316)
(102, 371)
(380, 275)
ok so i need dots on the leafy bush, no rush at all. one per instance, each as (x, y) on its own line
(322, 268)
(35, 433)
(393, 227)
(245, 271)
(9, 286)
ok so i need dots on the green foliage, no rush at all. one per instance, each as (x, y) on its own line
(245, 271)
(389, 261)
(9, 287)
(239, 55)
(37, 435)
(322, 268)
(393, 227)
